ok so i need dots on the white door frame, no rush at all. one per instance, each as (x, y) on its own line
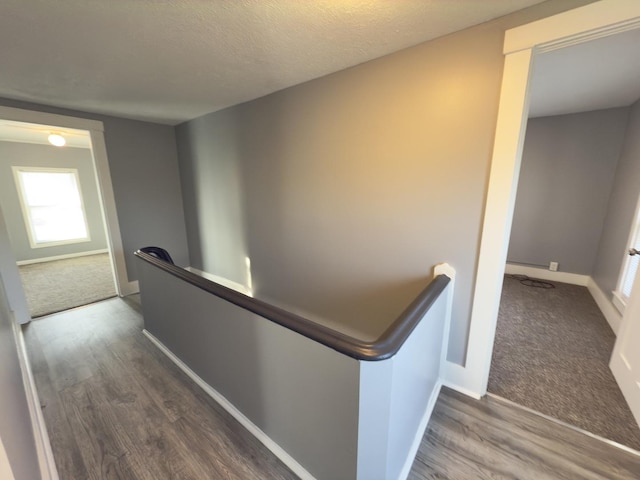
(103, 177)
(521, 45)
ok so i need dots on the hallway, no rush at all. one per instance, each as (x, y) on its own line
(117, 408)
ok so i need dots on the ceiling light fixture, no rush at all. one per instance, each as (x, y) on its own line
(57, 140)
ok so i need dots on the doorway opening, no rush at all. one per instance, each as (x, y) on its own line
(553, 344)
(59, 211)
(51, 204)
(524, 46)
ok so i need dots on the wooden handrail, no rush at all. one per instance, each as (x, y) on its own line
(385, 346)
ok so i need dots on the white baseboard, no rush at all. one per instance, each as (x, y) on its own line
(277, 450)
(544, 274)
(61, 257)
(129, 288)
(457, 377)
(424, 421)
(610, 312)
(46, 462)
(463, 390)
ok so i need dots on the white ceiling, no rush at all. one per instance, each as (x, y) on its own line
(599, 74)
(175, 60)
(170, 61)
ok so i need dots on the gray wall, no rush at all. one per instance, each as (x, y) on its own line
(15, 422)
(31, 155)
(11, 276)
(144, 173)
(355, 184)
(309, 406)
(364, 415)
(621, 208)
(568, 166)
(212, 192)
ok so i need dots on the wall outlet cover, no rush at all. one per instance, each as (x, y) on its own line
(553, 266)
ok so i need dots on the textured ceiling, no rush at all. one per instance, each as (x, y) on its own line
(599, 74)
(173, 60)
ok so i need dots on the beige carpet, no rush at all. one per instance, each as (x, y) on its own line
(63, 284)
(551, 354)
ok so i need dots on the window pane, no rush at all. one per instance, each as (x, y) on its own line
(53, 205)
(45, 188)
(54, 224)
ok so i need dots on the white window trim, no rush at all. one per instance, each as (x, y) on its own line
(26, 212)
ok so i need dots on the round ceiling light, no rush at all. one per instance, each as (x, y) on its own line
(57, 140)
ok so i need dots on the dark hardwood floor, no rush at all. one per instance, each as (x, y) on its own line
(117, 408)
(494, 439)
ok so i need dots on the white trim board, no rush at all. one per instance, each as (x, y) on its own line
(458, 388)
(606, 17)
(46, 462)
(131, 288)
(544, 274)
(277, 450)
(103, 177)
(61, 257)
(49, 119)
(605, 305)
(595, 20)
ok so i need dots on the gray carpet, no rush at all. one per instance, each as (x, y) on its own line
(63, 284)
(552, 353)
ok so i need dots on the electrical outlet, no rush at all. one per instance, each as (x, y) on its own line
(553, 266)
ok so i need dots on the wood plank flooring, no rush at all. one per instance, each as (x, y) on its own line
(117, 408)
(494, 439)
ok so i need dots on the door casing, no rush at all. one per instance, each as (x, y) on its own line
(103, 174)
(521, 45)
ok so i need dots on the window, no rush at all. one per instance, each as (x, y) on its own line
(52, 205)
(629, 266)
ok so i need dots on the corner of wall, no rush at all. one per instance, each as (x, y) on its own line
(130, 288)
(543, 274)
(610, 312)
